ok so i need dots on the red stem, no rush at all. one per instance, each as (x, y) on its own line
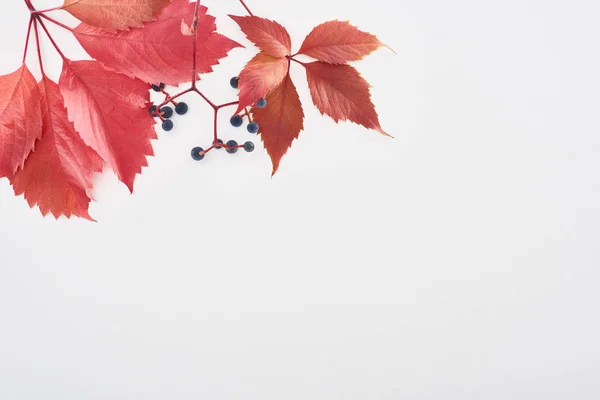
(29, 5)
(233, 103)
(39, 48)
(47, 10)
(206, 99)
(216, 123)
(27, 39)
(168, 99)
(299, 62)
(55, 22)
(247, 9)
(38, 19)
(247, 114)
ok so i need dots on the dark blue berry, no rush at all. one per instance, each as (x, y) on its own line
(181, 108)
(253, 127)
(249, 147)
(166, 112)
(236, 121)
(231, 147)
(197, 153)
(235, 82)
(152, 110)
(262, 103)
(219, 147)
(158, 88)
(167, 125)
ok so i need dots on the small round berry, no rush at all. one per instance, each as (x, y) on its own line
(197, 153)
(234, 82)
(219, 147)
(152, 110)
(166, 112)
(181, 108)
(253, 127)
(236, 121)
(249, 147)
(262, 103)
(167, 125)
(231, 147)
(158, 88)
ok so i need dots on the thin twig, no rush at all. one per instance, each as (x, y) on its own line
(27, 39)
(39, 20)
(55, 22)
(39, 48)
(247, 9)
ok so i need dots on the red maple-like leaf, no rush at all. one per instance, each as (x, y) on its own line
(281, 121)
(20, 119)
(269, 36)
(115, 15)
(337, 42)
(109, 110)
(340, 92)
(57, 176)
(261, 75)
(159, 52)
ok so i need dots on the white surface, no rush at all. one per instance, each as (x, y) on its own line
(457, 261)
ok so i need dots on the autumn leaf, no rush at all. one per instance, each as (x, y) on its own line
(20, 119)
(109, 110)
(115, 15)
(159, 52)
(340, 92)
(337, 42)
(57, 176)
(269, 36)
(261, 75)
(281, 121)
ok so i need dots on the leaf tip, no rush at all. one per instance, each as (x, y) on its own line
(388, 47)
(384, 133)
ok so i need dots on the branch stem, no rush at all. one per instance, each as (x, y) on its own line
(39, 48)
(27, 39)
(247, 9)
(206, 99)
(299, 62)
(215, 125)
(233, 103)
(30, 6)
(47, 10)
(39, 20)
(55, 22)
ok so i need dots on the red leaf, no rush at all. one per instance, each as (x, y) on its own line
(115, 15)
(20, 119)
(261, 75)
(269, 36)
(281, 121)
(340, 92)
(337, 42)
(57, 176)
(109, 110)
(159, 52)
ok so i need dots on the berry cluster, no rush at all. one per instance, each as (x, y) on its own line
(166, 112)
(231, 147)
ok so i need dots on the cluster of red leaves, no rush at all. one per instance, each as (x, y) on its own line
(336, 88)
(55, 136)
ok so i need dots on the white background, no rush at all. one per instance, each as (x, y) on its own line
(459, 260)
